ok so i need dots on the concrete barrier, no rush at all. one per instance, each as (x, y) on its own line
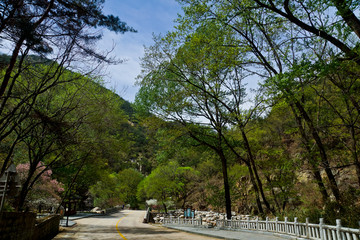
(24, 226)
(47, 227)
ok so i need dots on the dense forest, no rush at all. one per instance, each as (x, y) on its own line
(250, 106)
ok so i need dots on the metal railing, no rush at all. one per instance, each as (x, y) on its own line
(297, 229)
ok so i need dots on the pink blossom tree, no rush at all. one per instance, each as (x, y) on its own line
(45, 190)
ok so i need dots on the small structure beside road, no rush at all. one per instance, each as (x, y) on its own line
(148, 218)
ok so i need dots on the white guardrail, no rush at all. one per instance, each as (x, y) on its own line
(297, 229)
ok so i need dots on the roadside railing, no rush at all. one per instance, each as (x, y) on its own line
(183, 221)
(297, 229)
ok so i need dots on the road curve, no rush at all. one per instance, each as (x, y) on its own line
(125, 225)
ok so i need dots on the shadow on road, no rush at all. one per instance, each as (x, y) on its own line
(106, 216)
(94, 228)
(142, 231)
(91, 228)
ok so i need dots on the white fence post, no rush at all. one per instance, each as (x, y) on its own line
(248, 222)
(277, 224)
(338, 229)
(307, 228)
(321, 228)
(286, 227)
(267, 224)
(257, 223)
(296, 227)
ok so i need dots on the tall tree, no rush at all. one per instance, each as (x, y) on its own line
(61, 31)
(273, 39)
(205, 72)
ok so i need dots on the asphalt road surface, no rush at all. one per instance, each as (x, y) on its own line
(124, 225)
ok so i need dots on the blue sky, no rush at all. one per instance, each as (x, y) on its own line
(147, 17)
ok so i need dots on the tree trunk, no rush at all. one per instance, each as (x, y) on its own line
(348, 15)
(226, 184)
(165, 208)
(17, 48)
(72, 183)
(8, 157)
(252, 162)
(311, 157)
(324, 160)
(25, 188)
(355, 153)
(252, 178)
(256, 189)
(11, 66)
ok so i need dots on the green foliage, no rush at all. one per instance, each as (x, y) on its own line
(169, 182)
(160, 184)
(103, 192)
(73, 125)
(128, 181)
(117, 189)
(347, 211)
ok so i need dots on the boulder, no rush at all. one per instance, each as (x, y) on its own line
(95, 209)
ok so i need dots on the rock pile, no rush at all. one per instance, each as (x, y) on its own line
(208, 217)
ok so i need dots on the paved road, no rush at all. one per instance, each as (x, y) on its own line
(127, 225)
(124, 225)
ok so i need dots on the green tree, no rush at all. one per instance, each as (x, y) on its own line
(202, 80)
(275, 45)
(186, 180)
(49, 132)
(102, 145)
(63, 31)
(104, 191)
(44, 26)
(169, 182)
(128, 181)
(160, 184)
